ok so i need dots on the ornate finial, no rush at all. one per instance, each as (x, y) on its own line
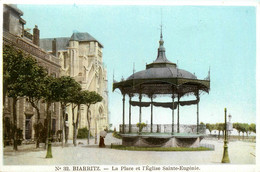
(161, 36)
(208, 77)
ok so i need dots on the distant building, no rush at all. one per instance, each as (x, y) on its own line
(81, 58)
(14, 34)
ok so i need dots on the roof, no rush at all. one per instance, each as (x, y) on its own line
(62, 43)
(83, 36)
(162, 68)
(162, 77)
(162, 72)
(14, 8)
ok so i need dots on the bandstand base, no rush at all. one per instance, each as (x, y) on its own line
(162, 140)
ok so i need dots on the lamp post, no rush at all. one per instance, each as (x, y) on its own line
(225, 158)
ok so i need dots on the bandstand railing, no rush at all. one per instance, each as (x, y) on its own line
(163, 128)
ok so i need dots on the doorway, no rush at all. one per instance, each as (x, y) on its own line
(28, 127)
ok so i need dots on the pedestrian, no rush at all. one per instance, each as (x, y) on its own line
(102, 139)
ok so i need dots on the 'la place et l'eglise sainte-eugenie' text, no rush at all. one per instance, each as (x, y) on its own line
(136, 168)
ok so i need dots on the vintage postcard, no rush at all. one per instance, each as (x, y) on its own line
(130, 86)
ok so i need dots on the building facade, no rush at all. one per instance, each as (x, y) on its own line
(81, 57)
(15, 35)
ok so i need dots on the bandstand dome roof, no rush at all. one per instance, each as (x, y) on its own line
(162, 77)
(162, 68)
(162, 72)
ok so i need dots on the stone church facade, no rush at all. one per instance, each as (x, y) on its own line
(79, 56)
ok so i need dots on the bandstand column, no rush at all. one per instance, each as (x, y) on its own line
(123, 127)
(151, 114)
(172, 113)
(178, 120)
(140, 112)
(130, 98)
(198, 112)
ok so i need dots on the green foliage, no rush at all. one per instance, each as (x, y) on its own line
(18, 69)
(210, 127)
(132, 148)
(141, 126)
(66, 89)
(220, 126)
(252, 128)
(82, 133)
(241, 127)
(51, 93)
(245, 128)
(35, 87)
(80, 97)
(92, 97)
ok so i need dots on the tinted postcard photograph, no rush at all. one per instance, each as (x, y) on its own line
(129, 86)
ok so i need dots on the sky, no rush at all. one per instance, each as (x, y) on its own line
(222, 38)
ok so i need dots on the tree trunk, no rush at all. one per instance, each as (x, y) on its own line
(218, 134)
(76, 127)
(15, 124)
(88, 123)
(63, 123)
(4, 90)
(49, 151)
(39, 130)
(37, 124)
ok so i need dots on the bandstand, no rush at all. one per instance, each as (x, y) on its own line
(162, 78)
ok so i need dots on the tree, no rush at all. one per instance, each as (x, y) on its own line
(220, 127)
(210, 127)
(245, 129)
(67, 88)
(34, 90)
(92, 98)
(252, 128)
(141, 126)
(79, 98)
(18, 69)
(238, 127)
(50, 96)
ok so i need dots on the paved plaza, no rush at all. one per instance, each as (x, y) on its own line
(239, 152)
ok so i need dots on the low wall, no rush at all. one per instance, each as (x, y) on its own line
(140, 141)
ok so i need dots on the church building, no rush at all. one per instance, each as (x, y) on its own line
(81, 57)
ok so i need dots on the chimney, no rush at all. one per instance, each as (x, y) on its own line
(36, 36)
(54, 47)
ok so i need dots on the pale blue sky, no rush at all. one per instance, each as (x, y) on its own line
(198, 37)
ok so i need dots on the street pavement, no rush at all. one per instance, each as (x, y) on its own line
(239, 153)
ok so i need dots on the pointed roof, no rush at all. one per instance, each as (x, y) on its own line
(63, 42)
(162, 67)
(161, 57)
